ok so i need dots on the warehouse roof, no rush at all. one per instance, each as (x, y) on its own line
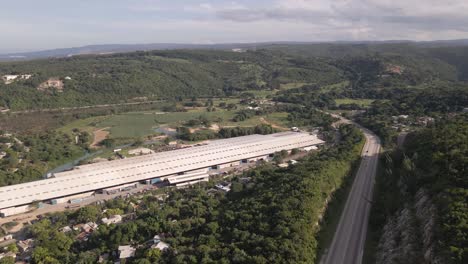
(107, 174)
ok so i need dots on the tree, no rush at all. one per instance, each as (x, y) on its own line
(12, 159)
(108, 143)
(13, 248)
(88, 213)
(295, 151)
(87, 257)
(153, 255)
(41, 255)
(7, 260)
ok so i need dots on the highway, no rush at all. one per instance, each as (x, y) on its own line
(348, 242)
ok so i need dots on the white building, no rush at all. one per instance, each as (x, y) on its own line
(112, 220)
(157, 243)
(161, 246)
(26, 245)
(179, 167)
(126, 252)
(10, 78)
(6, 238)
(140, 151)
(224, 188)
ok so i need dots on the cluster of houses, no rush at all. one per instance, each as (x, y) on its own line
(22, 249)
(128, 251)
(401, 122)
(26, 246)
(10, 78)
(51, 83)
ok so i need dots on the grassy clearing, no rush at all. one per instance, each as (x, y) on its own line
(336, 86)
(278, 119)
(292, 85)
(140, 124)
(361, 102)
(143, 123)
(88, 124)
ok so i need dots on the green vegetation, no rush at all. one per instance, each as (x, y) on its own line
(215, 94)
(433, 162)
(139, 124)
(359, 102)
(157, 74)
(28, 157)
(243, 226)
(292, 85)
(226, 132)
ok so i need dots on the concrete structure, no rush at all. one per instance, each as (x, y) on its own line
(112, 220)
(140, 151)
(179, 167)
(126, 252)
(223, 187)
(89, 227)
(26, 245)
(14, 210)
(310, 148)
(161, 246)
(157, 243)
(11, 78)
(71, 198)
(6, 238)
(54, 83)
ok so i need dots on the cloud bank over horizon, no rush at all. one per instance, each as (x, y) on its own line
(57, 24)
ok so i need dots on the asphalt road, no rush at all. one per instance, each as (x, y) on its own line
(350, 236)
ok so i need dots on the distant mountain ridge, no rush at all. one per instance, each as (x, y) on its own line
(119, 48)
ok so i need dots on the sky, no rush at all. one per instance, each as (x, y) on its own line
(28, 25)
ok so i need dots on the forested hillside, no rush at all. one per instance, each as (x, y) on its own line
(156, 75)
(421, 202)
(371, 70)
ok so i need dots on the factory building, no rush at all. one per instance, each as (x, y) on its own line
(178, 167)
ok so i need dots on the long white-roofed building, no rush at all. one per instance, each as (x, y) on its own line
(178, 167)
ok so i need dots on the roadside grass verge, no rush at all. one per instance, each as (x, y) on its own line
(334, 210)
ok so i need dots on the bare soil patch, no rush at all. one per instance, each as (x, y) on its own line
(99, 135)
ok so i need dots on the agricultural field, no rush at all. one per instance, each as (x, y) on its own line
(140, 124)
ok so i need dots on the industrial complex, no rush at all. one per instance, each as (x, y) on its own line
(178, 167)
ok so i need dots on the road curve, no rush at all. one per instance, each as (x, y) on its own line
(350, 236)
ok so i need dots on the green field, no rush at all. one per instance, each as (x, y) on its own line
(292, 85)
(139, 124)
(361, 102)
(334, 87)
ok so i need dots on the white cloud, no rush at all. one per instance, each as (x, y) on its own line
(208, 21)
